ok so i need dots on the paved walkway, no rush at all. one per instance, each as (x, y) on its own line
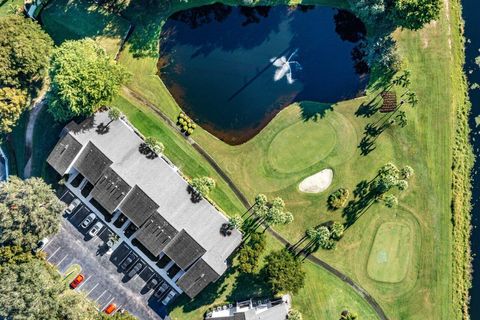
(32, 119)
(346, 279)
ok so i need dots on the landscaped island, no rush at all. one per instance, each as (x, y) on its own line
(363, 201)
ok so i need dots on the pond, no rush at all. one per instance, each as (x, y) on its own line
(471, 15)
(232, 69)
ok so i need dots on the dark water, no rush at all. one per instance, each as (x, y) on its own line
(217, 63)
(471, 15)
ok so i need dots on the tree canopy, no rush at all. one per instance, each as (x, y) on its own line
(30, 211)
(83, 78)
(13, 102)
(203, 185)
(284, 272)
(25, 51)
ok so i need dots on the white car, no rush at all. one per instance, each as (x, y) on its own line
(95, 229)
(74, 204)
(169, 297)
(88, 220)
(41, 244)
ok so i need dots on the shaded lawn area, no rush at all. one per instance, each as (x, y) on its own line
(72, 20)
(323, 297)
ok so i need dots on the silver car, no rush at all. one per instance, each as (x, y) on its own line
(74, 204)
(88, 220)
(95, 229)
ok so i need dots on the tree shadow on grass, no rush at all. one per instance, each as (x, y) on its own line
(313, 110)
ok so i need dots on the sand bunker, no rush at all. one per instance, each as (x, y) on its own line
(318, 182)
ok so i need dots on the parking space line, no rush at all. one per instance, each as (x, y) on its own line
(64, 195)
(79, 207)
(126, 256)
(48, 244)
(53, 253)
(134, 277)
(86, 280)
(58, 264)
(96, 300)
(92, 289)
(110, 301)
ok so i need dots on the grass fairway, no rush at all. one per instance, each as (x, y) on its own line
(390, 255)
(264, 164)
(72, 20)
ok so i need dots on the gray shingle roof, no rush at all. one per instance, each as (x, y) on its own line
(160, 182)
(138, 207)
(64, 153)
(197, 278)
(92, 163)
(156, 233)
(184, 250)
(110, 190)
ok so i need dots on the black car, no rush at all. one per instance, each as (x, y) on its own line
(135, 269)
(126, 263)
(152, 284)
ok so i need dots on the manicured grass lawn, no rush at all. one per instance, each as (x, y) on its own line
(71, 20)
(323, 296)
(6, 6)
(266, 164)
(389, 258)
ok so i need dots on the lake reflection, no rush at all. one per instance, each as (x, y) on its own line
(233, 68)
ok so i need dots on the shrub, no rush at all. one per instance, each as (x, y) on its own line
(338, 199)
(250, 253)
(186, 124)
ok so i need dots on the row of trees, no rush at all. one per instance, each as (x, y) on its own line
(25, 51)
(83, 77)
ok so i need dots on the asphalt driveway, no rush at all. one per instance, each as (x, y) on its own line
(104, 282)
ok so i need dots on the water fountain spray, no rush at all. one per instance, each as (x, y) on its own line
(284, 67)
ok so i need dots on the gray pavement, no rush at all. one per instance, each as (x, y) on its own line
(104, 282)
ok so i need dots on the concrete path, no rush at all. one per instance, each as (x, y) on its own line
(346, 279)
(35, 111)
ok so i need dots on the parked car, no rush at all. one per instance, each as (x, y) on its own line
(169, 297)
(72, 206)
(135, 269)
(126, 263)
(88, 220)
(110, 308)
(95, 229)
(163, 288)
(152, 284)
(78, 279)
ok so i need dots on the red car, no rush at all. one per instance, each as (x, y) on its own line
(78, 279)
(110, 308)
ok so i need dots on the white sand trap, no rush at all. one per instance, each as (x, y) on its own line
(318, 182)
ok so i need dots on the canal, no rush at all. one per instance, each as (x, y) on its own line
(471, 15)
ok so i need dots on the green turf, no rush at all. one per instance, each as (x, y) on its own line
(315, 141)
(389, 258)
(8, 7)
(72, 20)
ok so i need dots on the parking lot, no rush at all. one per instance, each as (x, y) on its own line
(105, 281)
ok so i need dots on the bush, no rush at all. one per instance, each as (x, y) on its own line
(250, 253)
(185, 123)
(338, 199)
(284, 272)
